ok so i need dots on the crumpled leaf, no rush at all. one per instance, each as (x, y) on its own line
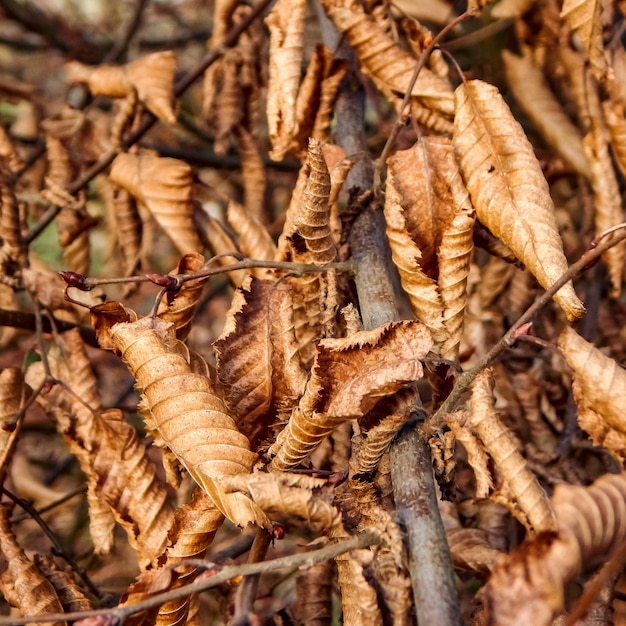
(257, 357)
(69, 593)
(349, 376)
(599, 387)
(12, 392)
(120, 476)
(152, 76)
(21, 581)
(286, 26)
(381, 58)
(164, 186)
(190, 418)
(507, 187)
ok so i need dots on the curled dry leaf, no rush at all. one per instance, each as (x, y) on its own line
(599, 388)
(470, 549)
(11, 398)
(584, 17)
(253, 172)
(21, 581)
(532, 92)
(163, 185)
(615, 117)
(10, 226)
(69, 593)
(429, 225)
(13, 160)
(178, 307)
(257, 358)
(286, 26)
(389, 66)
(510, 464)
(152, 76)
(607, 199)
(119, 473)
(528, 586)
(189, 416)
(507, 187)
(349, 377)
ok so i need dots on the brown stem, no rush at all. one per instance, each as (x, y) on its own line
(377, 302)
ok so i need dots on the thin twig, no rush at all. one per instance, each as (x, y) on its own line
(209, 580)
(116, 53)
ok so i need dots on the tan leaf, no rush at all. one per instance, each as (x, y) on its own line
(607, 199)
(286, 26)
(470, 549)
(511, 8)
(529, 586)
(532, 92)
(599, 382)
(615, 117)
(178, 307)
(163, 185)
(152, 76)
(507, 187)
(584, 18)
(229, 100)
(254, 240)
(7, 152)
(189, 416)
(12, 394)
(429, 226)
(389, 66)
(500, 444)
(316, 97)
(192, 532)
(349, 377)
(10, 225)
(21, 581)
(118, 471)
(257, 358)
(253, 172)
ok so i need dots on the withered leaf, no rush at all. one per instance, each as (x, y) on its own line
(349, 377)
(189, 416)
(507, 186)
(164, 186)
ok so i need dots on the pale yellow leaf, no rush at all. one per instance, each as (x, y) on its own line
(507, 186)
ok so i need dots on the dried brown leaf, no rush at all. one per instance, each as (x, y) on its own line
(163, 185)
(20, 579)
(532, 92)
(253, 172)
(178, 307)
(528, 587)
(389, 66)
(257, 357)
(599, 387)
(69, 593)
(8, 153)
(10, 223)
(500, 444)
(507, 187)
(12, 394)
(349, 377)
(191, 419)
(615, 118)
(584, 18)
(118, 471)
(286, 26)
(607, 199)
(470, 550)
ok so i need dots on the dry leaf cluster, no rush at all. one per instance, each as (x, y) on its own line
(247, 297)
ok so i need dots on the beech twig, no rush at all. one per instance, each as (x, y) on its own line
(208, 580)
